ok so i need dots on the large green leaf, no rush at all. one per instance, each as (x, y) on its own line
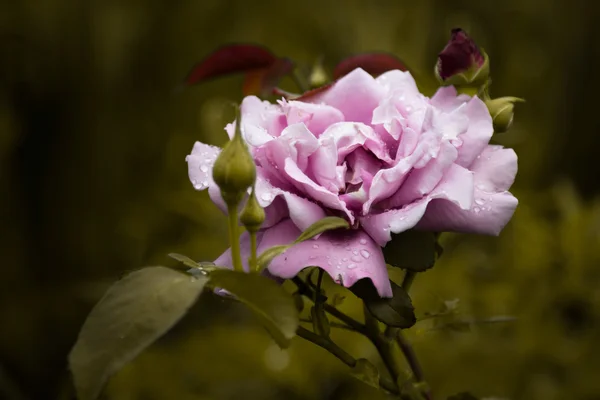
(397, 311)
(322, 225)
(133, 313)
(413, 250)
(275, 307)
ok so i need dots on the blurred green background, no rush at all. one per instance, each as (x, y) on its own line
(94, 183)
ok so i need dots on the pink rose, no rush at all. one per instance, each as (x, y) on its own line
(376, 152)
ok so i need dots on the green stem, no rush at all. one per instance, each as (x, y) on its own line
(305, 290)
(234, 239)
(253, 266)
(407, 282)
(328, 345)
(341, 354)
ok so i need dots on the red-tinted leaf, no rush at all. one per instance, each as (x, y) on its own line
(231, 59)
(261, 82)
(373, 63)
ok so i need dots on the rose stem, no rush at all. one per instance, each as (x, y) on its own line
(234, 239)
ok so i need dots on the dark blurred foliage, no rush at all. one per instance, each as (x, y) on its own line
(92, 147)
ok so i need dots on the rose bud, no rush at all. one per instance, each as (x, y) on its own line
(462, 62)
(234, 170)
(502, 112)
(253, 215)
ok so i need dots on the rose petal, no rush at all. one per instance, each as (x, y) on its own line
(489, 218)
(200, 164)
(358, 162)
(296, 142)
(495, 169)
(456, 188)
(422, 181)
(356, 95)
(314, 191)
(478, 134)
(445, 99)
(301, 211)
(317, 117)
(347, 256)
(398, 81)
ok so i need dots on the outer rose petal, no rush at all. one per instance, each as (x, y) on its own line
(494, 171)
(347, 256)
(487, 219)
(478, 134)
(200, 164)
(456, 189)
(356, 95)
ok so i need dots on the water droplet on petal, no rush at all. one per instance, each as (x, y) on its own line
(355, 252)
(365, 253)
(198, 186)
(480, 201)
(329, 263)
(266, 196)
(312, 257)
(204, 168)
(351, 266)
(344, 259)
(315, 246)
(356, 259)
(476, 210)
(363, 241)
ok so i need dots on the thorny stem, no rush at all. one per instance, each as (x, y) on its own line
(234, 239)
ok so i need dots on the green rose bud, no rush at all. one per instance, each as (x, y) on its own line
(502, 112)
(234, 170)
(252, 215)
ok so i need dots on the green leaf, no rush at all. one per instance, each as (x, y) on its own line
(274, 306)
(268, 255)
(413, 250)
(133, 313)
(185, 260)
(397, 311)
(325, 224)
(365, 371)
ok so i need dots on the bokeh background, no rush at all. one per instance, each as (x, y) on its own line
(94, 183)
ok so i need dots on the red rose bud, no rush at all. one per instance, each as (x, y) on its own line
(462, 62)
